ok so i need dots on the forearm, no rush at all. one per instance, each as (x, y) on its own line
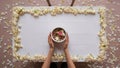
(47, 62)
(69, 61)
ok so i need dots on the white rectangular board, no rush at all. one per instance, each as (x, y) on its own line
(82, 30)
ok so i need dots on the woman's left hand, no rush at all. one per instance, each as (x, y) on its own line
(50, 41)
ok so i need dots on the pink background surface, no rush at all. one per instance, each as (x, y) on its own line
(113, 32)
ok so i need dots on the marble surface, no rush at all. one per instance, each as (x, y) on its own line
(113, 30)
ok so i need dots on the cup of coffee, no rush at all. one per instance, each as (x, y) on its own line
(58, 35)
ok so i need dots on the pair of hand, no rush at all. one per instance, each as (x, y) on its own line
(50, 41)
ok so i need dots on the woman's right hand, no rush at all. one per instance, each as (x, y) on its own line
(65, 45)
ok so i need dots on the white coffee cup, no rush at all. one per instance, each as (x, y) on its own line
(57, 40)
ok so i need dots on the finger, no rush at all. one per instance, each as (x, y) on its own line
(67, 37)
(49, 37)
